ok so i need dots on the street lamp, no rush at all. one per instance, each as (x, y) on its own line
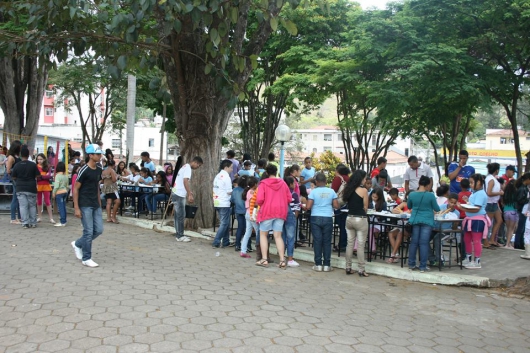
(283, 134)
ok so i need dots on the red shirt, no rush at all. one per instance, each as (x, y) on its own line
(374, 173)
(335, 184)
(461, 195)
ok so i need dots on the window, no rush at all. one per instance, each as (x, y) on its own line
(327, 137)
(503, 140)
(327, 148)
(49, 94)
(339, 137)
(512, 141)
(314, 137)
(314, 150)
(48, 111)
(151, 142)
(116, 143)
(527, 138)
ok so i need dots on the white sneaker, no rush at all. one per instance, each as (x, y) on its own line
(466, 262)
(60, 225)
(293, 263)
(90, 263)
(52, 221)
(78, 251)
(474, 266)
(184, 239)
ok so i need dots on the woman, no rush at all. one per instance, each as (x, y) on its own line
(162, 195)
(121, 170)
(356, 197)
(51, 157)
(509, 200)
(168, 169)
(110, 189)
(423, 205)
(273, 198)
(476, 223)
(293, 171)
(341, 177)
(494, 192)
(12, 159)
(44, 188)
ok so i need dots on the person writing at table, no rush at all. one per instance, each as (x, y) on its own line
(131, 179)
(423, 205)
(476, 223)
(162, 194)
(146, 179)
(395, 236)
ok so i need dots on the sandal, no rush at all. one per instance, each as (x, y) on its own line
(283, 265)
(390, 259)
(349, 271)
(109, 220)
(363, 274)
(262, 263)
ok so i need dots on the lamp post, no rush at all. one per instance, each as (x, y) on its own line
(283, 134)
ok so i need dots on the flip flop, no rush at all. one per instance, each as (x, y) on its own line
(491, 247)
(262, 263)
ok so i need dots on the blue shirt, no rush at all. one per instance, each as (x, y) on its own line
(479, 198)
(464, 173)
(246, 172)
(446, 225)
(322, 201)
(237, 199)
(150, 166)
(423, 205)
(307, 174)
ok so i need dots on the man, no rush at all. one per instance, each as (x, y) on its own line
(508, 174)
(25, 174)
(381, 165)
(458, 171)
(307, 176)
(270, 158)
(179, 193)
(231, 156)
(413, 174)
(147, 162)
(87, 205)
(222, 190)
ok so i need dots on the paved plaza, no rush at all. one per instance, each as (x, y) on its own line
(153, 294)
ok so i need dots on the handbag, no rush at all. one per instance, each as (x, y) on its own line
(191, 211)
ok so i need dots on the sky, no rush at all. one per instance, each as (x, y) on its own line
(365, 4)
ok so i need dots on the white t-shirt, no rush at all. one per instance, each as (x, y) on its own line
(496, 188)
(222, 189)
(178, 187)
(414, 175)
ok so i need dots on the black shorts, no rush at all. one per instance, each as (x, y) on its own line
(112, 196)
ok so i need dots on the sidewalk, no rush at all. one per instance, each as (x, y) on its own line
(499, 267)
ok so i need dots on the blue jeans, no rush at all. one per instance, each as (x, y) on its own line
(92, 220)
(340, 220)
(222, 231)
(289, 232)
(322, 228)
(61, 206)
(241, 227)
(421, 235)
(179, 213)
(152, 201)
(28, 207)
(15, 208)
(245, 242)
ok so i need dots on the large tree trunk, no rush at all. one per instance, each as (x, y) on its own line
(22, 84)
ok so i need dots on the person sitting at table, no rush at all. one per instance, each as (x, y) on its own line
(394, 195)
(442, 193)
(378, 204)
(121, 169)
(447, 211)
(110, 189)
(162, 195)
(147, 179)
(423, 205)
(395, 236)
(131, 179)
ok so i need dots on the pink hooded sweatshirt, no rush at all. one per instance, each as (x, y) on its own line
(273, 198)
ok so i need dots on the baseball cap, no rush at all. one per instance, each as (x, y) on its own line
(512, 168)
(93, 149)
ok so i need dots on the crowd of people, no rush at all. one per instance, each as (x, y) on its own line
(267, 203)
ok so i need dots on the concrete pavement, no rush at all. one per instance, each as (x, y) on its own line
(153, 294)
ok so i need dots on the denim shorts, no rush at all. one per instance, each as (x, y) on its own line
(511, 216)
(492, 207)
(275, 224)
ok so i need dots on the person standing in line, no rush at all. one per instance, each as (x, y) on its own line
(44, 188)
(222, 191)
(289, 226)
(181, 192)
(308, 173)
(231, 156)
(87, 205)
(60, 192)
(494, 192)
(25, 175)
(321, 202)
(239, 209)
(250, 221)
(356, 197)
(12, 159)
(522, 184)
(511, 217)
(147, 162)
(458, 171)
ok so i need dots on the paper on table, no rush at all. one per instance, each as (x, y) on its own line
(465, 205)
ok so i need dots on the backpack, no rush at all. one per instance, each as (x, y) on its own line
(340, 193)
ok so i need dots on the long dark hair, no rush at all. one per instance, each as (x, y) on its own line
(14, 148)
(44, 165)
(355, 181)
(522, 179)
(289, 170)
(120, 170)
(178, 165)
(251, 182)
(163, 175)
(378, 206)
(510, 193)
(477, 177)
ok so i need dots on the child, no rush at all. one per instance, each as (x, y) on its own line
(250, 222)
(441, 194)
(511, 217)
(260, 169)
(394, 195)
(145, 178)
(110, 189)
(60, 192)
(289, 227)
(447, 211)
(378, 204)
(463, 196)
(44, 188)
(395, 236)
(322, 201)
(246, 169)
(368, 186)
(240, 210)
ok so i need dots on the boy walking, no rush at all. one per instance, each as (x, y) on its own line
(87, 205)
